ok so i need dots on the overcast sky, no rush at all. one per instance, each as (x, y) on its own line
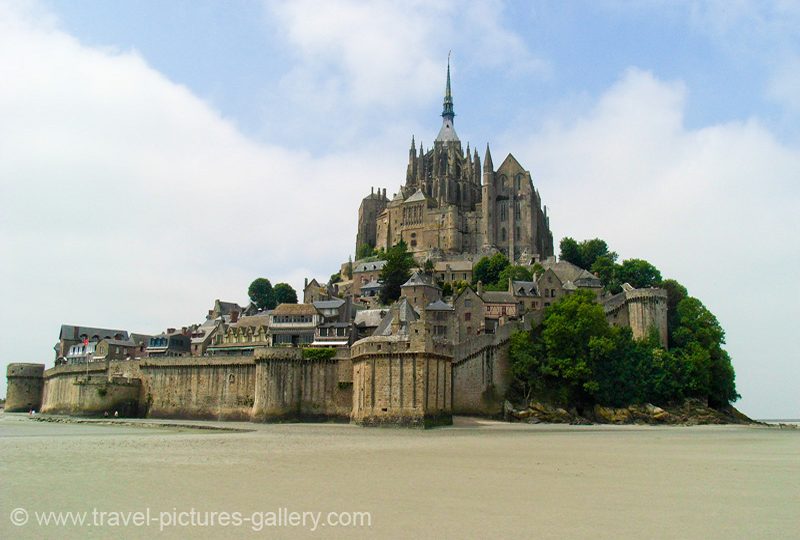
(155, 156)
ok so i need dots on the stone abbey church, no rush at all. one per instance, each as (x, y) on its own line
(453, 207)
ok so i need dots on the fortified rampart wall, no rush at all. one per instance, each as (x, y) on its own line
(24, 390)
(277, 384)
(201, 388)
(481, 372)
(77, 390)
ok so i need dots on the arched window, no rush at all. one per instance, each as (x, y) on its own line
(502, 182)
(518, 182)
(503, 234)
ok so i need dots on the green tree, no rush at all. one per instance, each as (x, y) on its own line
(261, 294)
(284, 294)
(428, 268)
(675, 293)
(698, 339)
(605, 268)
(639, 273)
(487, 269)
(585, 253)
(567, 332)
(570, 251)
(364, 251)
(514, 272)
(395, 272)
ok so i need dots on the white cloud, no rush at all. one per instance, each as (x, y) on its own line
(358, 62)
(715, 208)
(129, 202)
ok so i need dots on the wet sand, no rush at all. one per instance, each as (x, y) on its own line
(475, 479)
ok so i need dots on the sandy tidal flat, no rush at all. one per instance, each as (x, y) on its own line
(478, 479)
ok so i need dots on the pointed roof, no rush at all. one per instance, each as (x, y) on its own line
(418, 279)
(417, 196)
(511, 163)
(403, 312)
(488, 166)
(439, 305)
(447, 106)
(447, 133)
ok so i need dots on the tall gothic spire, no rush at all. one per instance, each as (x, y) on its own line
(447, 133)
(447, 107)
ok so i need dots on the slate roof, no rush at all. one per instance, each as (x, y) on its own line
(69, 331)
(120, 342)
(334, 303)
(566, 271)
(369, 266)
(374, 284)
(418, 279)
(417, 196)
(525, 288)
(439, 305)
(498, 297)
(406, 315)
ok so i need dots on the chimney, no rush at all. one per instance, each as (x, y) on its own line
(210, 313)
(305, 284)
(384, 193)
(185, 331)
(480, 288)
(170, 330)
(234, 316)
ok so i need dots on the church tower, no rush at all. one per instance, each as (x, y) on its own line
(453, 205)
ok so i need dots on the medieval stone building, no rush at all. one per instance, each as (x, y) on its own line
(452, 206)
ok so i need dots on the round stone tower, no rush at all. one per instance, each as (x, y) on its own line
(25, 387)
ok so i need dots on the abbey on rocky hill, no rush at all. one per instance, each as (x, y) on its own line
(452, 208)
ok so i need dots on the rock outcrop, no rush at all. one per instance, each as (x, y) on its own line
(690, 412)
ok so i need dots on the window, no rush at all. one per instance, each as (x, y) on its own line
(503, 234)
(468, 302)
(467, 316)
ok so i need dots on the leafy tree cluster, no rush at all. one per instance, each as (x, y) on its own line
(395, 272)
(575, 357)
(595, 256)
(265, 296)
(495, 271)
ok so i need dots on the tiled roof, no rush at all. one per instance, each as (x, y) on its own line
(294, 309)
